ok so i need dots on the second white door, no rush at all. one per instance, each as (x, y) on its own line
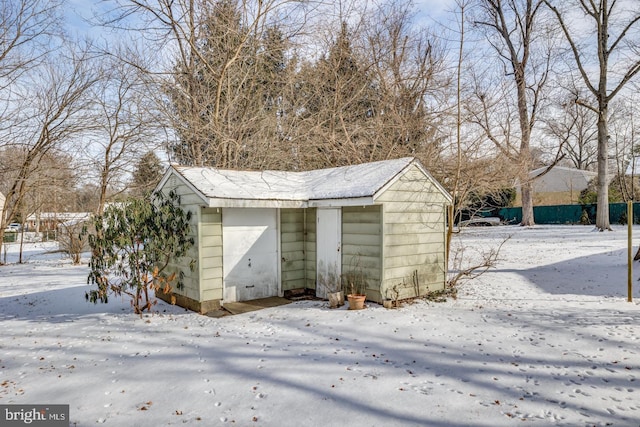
(329, 250)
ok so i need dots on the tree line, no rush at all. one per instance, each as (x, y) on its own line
(495, 90)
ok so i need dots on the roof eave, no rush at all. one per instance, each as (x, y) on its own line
(349, 201)
(218, 202)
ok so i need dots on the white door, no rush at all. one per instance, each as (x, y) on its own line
(250, 253)
(328, 247)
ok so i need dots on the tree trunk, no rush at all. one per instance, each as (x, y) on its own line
(526, 191)
(602, 212)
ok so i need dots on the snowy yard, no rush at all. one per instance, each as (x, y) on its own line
(545, 338)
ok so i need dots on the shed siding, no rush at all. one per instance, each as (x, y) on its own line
(397, 245)
(188, 202)
(211, 279)
(361, 246)
(292, 245)
(310, 248)
(414, 250)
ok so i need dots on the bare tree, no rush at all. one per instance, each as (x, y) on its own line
(408, 70)
(374, 92)
(336, 103)
(26, 29)
(29, 30)
(614, 26)
(122, 128)
(55, 113)
(521, 39)
(50, 189)
(573, 128)
(623, 130)
(211, 84)
(461, 17)
(240, 95)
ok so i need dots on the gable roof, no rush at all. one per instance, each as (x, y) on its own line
(560, 179)
(241, 188)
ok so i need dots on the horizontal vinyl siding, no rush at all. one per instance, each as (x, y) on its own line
(210, 241)
(292, 249)
(364, 229)
(415, 186)
(211, 255)
(414, 236)
(310, 248)
(412, 239)
(361, 246)
(411, 249)
(398, 213)
(188, 202)
(292, 224)
(425, 194)
(213, 271)
(293, 275)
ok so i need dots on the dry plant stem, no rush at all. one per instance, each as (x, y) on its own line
(489, 259)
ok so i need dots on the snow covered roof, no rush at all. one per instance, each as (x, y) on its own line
(560, 179)
(346, 182)
(60, 216)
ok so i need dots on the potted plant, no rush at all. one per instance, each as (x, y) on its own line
(355, 289)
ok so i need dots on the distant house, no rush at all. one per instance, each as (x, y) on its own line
(44, 221)
(269, 233)
(559, 186)
(633, 168)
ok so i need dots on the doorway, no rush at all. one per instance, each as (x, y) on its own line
(329, 250)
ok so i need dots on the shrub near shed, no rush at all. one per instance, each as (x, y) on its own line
(132, 246)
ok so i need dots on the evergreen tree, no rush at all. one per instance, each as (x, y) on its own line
(147, 174)
(338, 100)
(226, 94)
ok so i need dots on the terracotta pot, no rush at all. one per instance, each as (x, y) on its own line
(336, 299)
(356, 302)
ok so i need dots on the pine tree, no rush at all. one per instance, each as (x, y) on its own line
(338, 103)
(147, 174)
(226, 91)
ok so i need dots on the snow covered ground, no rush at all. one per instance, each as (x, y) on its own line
(545, 338)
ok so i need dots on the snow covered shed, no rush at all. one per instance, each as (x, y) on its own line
(270, 233)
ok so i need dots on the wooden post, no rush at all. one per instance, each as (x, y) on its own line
(449, 234)
(629, 251)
